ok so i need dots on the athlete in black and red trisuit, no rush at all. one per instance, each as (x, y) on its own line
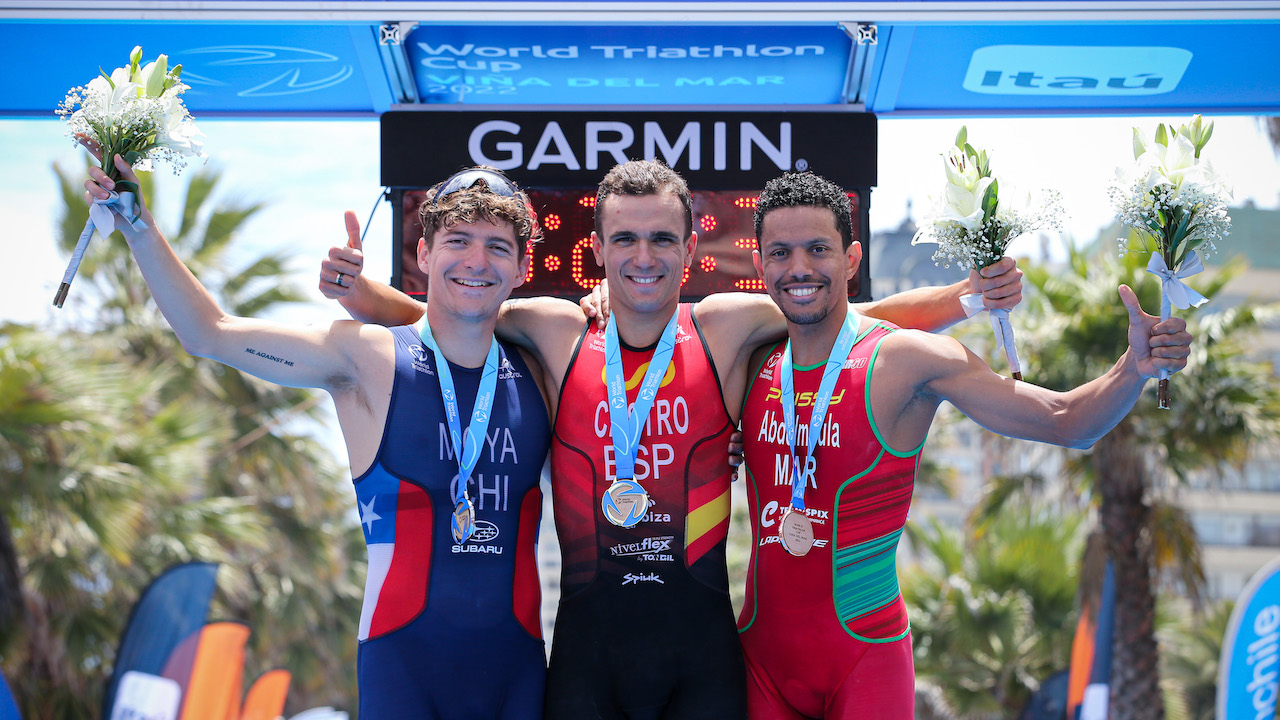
(645, 629)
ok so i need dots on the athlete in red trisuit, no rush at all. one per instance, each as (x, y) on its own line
(833, 424)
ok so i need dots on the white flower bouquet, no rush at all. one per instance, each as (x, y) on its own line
(974, 221)
(135, 112)
(1178, 204)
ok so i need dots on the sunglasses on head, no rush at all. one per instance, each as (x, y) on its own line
(497, 183)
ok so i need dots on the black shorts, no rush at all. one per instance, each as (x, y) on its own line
(646, 651)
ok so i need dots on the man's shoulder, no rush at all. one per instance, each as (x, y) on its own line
(727, 303)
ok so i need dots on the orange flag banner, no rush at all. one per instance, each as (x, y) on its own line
(266, 697)
(217, 675)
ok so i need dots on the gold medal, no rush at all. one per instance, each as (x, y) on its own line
(463, 522)
(624, 503)
(795, 532)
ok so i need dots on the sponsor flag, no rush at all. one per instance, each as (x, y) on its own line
(1050, 701)
(1249, 670)
(217, 673)
(171, 609)
(266, 697)
(1089, 687)
(321, 713)
(8, 710)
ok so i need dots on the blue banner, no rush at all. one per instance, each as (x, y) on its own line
(233, 68)
(8, 711)
(1077, 68)
(1249, 672)
(171, 609)
(612, 65)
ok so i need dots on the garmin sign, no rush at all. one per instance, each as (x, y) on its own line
(614, 140)
(712, 150)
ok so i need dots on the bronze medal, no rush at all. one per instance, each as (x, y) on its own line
(624, 503)
(463, 522)
(795, 532)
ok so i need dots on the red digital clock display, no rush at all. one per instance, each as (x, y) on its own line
(564, 266)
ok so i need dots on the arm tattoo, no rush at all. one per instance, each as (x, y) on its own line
(268, 356)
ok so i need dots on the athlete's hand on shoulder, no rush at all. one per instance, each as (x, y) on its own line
(999, 283)
(1156, 345)
(339, 272)
(735, 449)
(596, 303)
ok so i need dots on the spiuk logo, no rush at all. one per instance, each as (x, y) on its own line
(632, 578)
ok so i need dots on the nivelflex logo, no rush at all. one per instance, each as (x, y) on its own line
(1071, 70)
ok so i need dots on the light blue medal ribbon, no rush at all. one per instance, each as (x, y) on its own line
(626, 428)
(835, 363)
(466, 446)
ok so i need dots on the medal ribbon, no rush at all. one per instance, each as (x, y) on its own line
(625, 429)
(466, 447)
(834, 364)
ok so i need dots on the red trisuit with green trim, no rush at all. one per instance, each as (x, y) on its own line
(826, 634)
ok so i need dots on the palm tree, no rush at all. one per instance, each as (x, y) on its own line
(1073, 329)
(92, 472)
(168, 458)
(1192, 648)
(991, 608)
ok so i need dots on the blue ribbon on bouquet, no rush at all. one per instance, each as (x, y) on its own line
(101, 217)
(1173, 291)
(1000, 325)
(1179, 294)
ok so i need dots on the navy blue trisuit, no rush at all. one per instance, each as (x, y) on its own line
(452, 632)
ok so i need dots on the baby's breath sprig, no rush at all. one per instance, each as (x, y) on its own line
(137, 113)
(975, 220)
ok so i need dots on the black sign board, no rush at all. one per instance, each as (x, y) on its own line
(712, 150)
(559, 158)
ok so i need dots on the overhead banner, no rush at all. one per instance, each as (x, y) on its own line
(1074, 68)
(1249, 671)
(232, 68)
(712, 150)
(622, 64)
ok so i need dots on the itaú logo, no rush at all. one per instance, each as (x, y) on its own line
(506, 145)
(1048, 70)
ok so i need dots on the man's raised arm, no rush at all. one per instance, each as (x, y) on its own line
(293, 356)
(937, 308)
(1076, 418)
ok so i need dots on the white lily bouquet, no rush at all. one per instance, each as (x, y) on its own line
(137, 113)
(974, 221)
(1178, 204)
